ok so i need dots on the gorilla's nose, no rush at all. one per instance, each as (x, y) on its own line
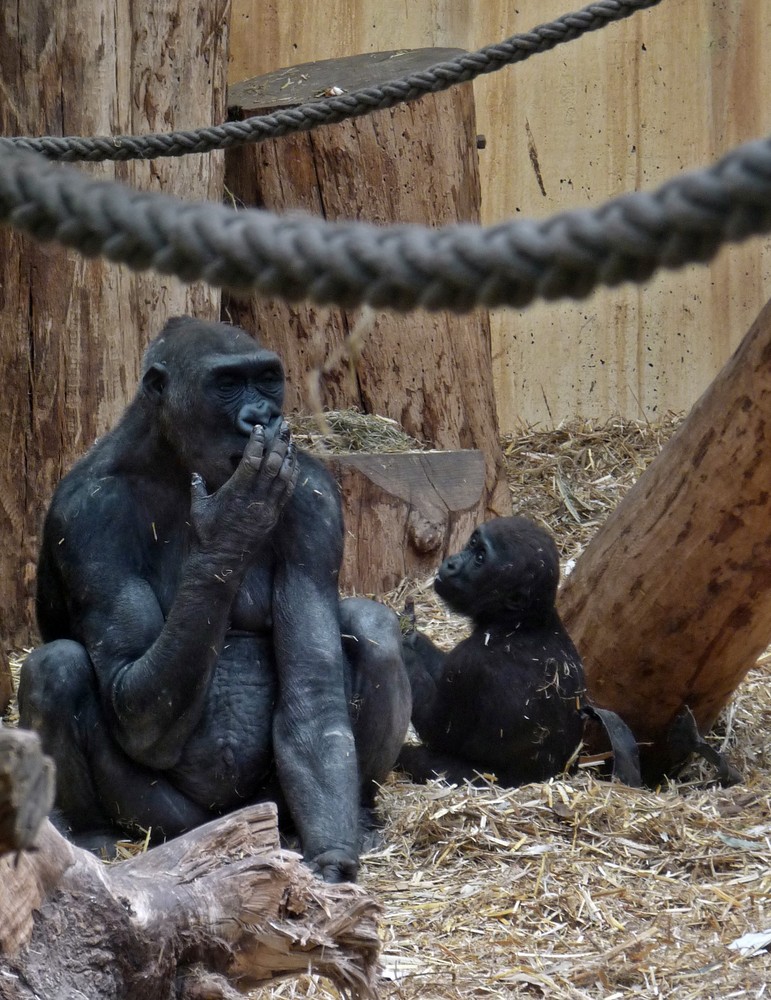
(250, 415)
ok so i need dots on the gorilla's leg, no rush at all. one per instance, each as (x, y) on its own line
(380, 690)
(99, 790)
(423, 764)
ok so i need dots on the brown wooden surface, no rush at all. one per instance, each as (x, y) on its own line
(191, 918)
(74, 330)
(430, 372)
(404, 513)
(670, 604)
(26, 788)
(624, 108)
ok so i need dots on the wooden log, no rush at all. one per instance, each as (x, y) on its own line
(217, 909)
(670, 603)
(26, 788)
(74, 330)
(415, 163)
(403, 512)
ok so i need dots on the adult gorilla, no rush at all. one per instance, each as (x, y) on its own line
(197, 655)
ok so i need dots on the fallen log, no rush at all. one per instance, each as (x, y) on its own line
(670, 603)
(220, 909)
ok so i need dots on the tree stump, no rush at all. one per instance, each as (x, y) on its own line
(431, 372)
(73, 329)
(670, 603)
(404, 511)
(217, 909)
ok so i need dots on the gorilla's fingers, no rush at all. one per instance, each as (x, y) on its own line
(255, 448)
(197, 487)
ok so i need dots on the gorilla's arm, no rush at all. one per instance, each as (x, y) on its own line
(153, 674)
(423, 764)
(313, 740)
(424, 662)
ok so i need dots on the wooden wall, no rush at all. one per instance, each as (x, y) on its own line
(625, 108)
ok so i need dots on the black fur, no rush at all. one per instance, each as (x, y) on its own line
(505, 700)
(197, 655)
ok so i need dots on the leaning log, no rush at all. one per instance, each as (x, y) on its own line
(670, 604)
(219, 909)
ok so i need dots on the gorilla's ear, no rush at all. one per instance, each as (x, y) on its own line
(154, 381)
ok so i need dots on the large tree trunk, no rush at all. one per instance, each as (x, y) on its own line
(74, 330)
(431, 372)
(221, 907)
(670, 604)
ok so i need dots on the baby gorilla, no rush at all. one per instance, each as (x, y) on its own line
(506, 699)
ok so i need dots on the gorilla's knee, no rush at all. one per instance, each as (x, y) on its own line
(381, 699)
(370, 632)
(55, 681)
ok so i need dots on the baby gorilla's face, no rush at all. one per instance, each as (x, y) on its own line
(509, 569)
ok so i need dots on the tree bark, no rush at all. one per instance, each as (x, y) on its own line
(74, 330)
(670, 603)
(219, 908)
(404, 511)
(431, 372)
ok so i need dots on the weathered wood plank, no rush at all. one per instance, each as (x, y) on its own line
(621, 109)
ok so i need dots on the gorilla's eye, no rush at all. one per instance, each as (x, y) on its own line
(479, 556)
(229, 385)
(271, 382)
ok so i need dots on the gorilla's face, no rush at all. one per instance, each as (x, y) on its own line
(509, 569)
(210, 393)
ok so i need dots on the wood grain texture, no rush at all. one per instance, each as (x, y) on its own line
(405, 512)
(625, 108)
(74, 330)
(431, 372)
(670, 603)
(218, 908)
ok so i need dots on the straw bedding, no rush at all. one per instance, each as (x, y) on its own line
(577, 888)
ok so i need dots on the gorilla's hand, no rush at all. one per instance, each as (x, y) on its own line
(335, 866)
(415, 647)
(233, 523)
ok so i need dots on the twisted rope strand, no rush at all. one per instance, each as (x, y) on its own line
(399, 267)
(331, 110)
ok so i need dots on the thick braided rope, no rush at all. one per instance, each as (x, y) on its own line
(399, 267)
(336, 109)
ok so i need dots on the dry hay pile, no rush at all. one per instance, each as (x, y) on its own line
(345, 431)
(577, 888)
